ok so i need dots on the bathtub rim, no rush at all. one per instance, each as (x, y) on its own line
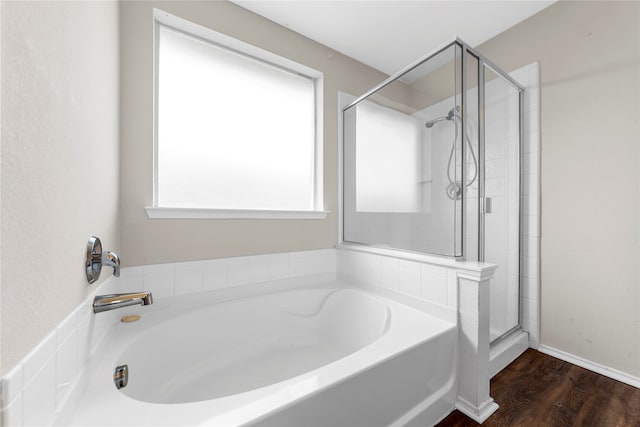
(69, 412)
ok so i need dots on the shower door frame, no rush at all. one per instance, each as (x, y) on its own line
(482, 62)
(482, 208)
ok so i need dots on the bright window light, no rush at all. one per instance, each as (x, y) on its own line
(387, 154)
(233, 131)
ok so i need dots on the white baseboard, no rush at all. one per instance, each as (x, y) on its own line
(592, 366)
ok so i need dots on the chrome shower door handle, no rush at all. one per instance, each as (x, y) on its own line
(487, 207)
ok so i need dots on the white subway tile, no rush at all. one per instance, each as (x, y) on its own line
(67, 368)
(434, 270)
(529, 266)
(530, 163)
(530, 184)
(389, 274)
(214, 274)
(260, 270)
(188, 277)
(132, 278)
(39, 356)
(83, 338)
(131, 271)
(530, 309)
(531, 142)
(532, 121)
(279, 266)
(239, 271)
(409, 279)
(434, 288)
(159, 280)
(531, 225)
(530, 288)
(320, 261)
(370, 269)
(12, 414)
(99, 325)
(12, 384)
(297, 264)
(38, 396)
(158, 268)
(66, 327)
(452, 289)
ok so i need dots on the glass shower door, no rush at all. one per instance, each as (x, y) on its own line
(403, 152)
(502, 199)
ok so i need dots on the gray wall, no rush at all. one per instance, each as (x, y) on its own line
(589, 54)
(59, 160)
(146, 241)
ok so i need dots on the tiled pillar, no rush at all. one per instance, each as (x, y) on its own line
(473, 346)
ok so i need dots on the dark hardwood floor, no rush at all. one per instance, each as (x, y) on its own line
(540, 390)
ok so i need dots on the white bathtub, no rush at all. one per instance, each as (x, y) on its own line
(322, 356)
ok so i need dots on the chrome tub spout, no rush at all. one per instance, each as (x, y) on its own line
(111, 302)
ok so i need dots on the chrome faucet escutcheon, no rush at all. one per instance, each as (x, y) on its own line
(111, 302)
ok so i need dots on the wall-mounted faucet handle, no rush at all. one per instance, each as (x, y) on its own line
(96, 259)
(111, 259)
(93, 261)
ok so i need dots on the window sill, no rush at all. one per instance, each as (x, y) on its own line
(155, 212)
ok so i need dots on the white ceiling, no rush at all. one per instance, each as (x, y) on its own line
(388, 35)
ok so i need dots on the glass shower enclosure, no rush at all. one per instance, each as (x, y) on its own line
(431, 165)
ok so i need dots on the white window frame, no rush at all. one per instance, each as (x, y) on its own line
(162, 18)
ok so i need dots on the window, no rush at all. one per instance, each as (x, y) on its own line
(236, 128)
(387, 153)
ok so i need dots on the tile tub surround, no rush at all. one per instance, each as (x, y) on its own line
(445, 288)
(39, 386)
(42, 385)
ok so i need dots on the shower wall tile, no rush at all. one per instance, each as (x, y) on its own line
(530, 225)
(531, 161)
(530, 232)
(530, 184)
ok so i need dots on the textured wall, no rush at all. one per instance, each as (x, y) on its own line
(589, 54)
(59, 159)
(148, 241)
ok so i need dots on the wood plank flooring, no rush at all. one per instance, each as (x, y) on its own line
(540, 390)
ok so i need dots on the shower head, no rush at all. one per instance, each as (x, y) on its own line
(430, 123)
(451, 115)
